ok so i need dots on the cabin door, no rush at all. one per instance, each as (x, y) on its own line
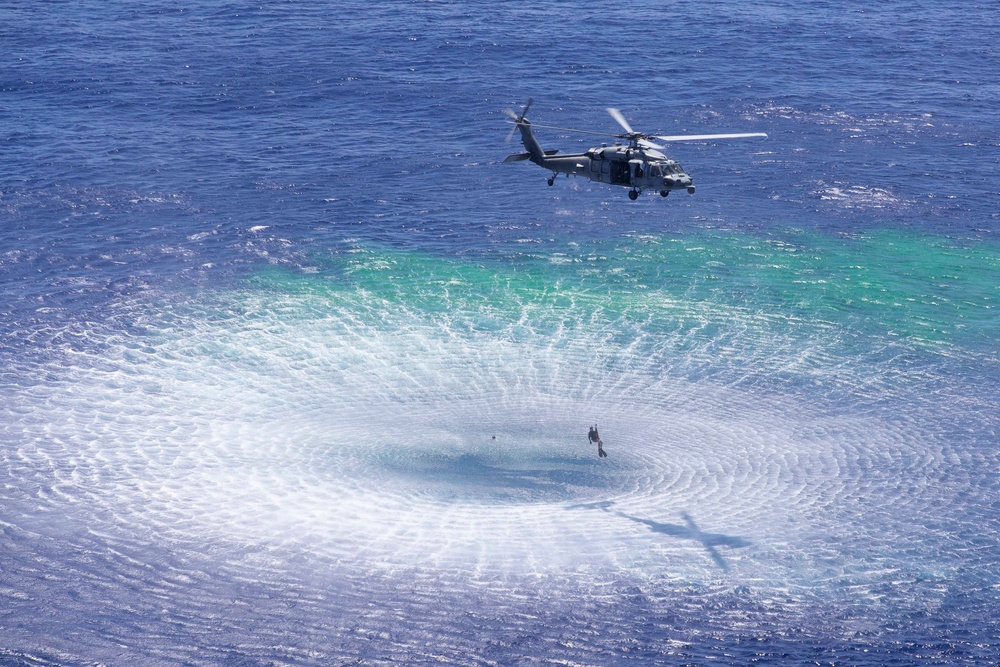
(637, 172)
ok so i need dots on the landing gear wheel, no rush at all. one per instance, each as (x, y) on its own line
(633, 195)
(664, 193)
(551, 180)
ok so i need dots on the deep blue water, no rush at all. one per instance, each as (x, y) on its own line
(269, 294)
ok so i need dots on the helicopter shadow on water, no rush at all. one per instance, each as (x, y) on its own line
(690, 531)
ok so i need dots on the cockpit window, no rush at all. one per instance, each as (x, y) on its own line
(654, 171)
(672, 168)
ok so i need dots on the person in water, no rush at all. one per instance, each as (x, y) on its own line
(594, 436)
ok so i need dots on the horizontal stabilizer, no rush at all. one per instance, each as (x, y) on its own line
(517, 157)
(552, 152)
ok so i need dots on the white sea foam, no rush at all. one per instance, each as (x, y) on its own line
(859, 196)
(365, 435)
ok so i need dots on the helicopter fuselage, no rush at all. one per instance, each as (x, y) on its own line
(634, 167)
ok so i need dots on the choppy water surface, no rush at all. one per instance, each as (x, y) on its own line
(297, 372)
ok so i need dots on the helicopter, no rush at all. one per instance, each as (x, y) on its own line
(637, 164)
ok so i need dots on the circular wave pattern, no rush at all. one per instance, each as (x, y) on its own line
(441, 420)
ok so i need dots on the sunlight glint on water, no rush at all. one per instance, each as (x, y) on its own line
(360, 424)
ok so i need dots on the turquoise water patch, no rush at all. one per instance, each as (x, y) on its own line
(922, 288)
(856, 312)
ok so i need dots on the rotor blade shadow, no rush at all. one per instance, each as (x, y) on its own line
(691, 531)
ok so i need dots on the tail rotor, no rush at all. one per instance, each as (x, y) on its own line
(518, 120)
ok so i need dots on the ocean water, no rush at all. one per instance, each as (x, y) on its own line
(295, 371)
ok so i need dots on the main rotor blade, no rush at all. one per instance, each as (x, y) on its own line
(702, 137)
(617, 115)
(570, 129)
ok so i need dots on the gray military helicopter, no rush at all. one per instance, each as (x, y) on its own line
(638, 164)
